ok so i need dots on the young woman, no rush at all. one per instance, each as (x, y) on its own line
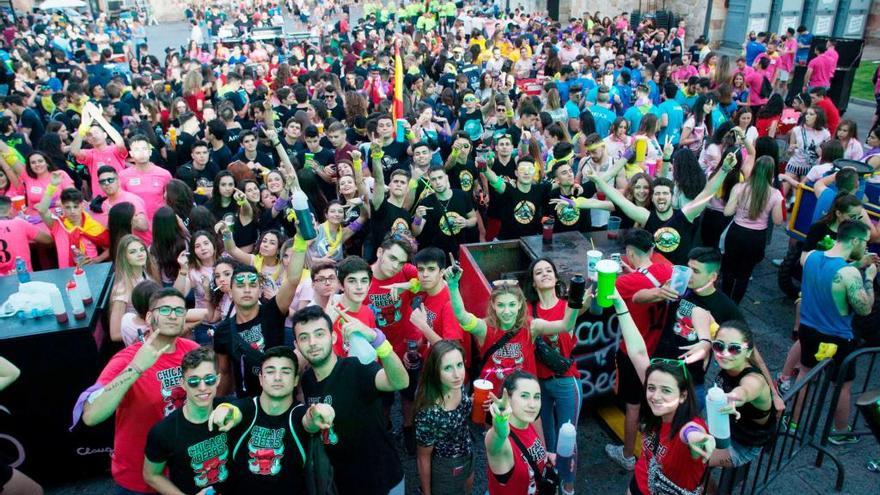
(332, 234)
(675, 441)
(767, 119)
(168, 243)
(750, 204)
(220, 300)
(131, 266)
(648, 127)
(197, 267)
(618, 142)
(743, 120)
(561, 393)
(848, 135)
(748, 392)
(699, 124)
(221, 202)
(442, 416)
(711, 155)
(267, 260)
(688, 177)
(638, 190)
(804, 142)
(740, 91)
(34, 175)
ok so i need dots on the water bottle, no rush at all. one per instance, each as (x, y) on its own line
(566, 442)
(413, 357)
(24, 276)
(719, 422)
(576, 290)
(78, 256)
(79, 310)
(305, 226)
(82, 285)
(361, 349)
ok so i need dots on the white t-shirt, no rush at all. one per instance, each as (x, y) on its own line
(129, 328)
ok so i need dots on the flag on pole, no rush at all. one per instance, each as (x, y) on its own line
(397, 105)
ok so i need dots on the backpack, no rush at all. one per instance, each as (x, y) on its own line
(766, 88)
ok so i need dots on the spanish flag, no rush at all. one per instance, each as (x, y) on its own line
(397, 106)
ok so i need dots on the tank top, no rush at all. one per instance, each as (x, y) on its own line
(521, 479)
(817, 304)
(747, 430)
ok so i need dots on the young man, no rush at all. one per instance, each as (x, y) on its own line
(145, 179)
(365, 459)
(380, 129)
(315, 157)
(673, 229)
(186, 138)
(429, 309)
(95, 131)
(79, 238)
(441, 218)
(819, 98)
(833, 290)
(111, 194)
(141, 385)
(250, 155)
(28, 119)
(646, 293)
(195, 456)
(523, 203)
(389, 214)
(270, 433)
(354, 276)
(16, 234)
(640, 108)
(215, 135)
(568, 216)
(820, 70)
(241, 339)
(504, 166)
(603, 114)
(200, 170)
(671, 115)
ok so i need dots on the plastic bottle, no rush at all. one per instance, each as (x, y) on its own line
(719, 422)
(210, 491)
(576, 290)
(24, 276)
(566, 442)
(305, 226)
(82, 285)
(361, 349)
(79, 311)
(413, 357)
(78, 256)
(58, 305)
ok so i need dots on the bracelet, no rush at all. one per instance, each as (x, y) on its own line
(415, 285)
(622, 313)
(50, 189)
(706, 341)
(384, 350)
(355, 226)
(470, 325)
(413, 184)
(185, 274)
(687, 430)
(357, 164)
(276, 143)
(134, 368)
(236, 412)
(299, 244)
(379, 339)
(242, 202)
(82, 132)
(10, 157)
(501, 419)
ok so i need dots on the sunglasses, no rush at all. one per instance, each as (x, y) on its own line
(194, 381)
(734, 349)
(246, 277)
(109, 180)
(167, 310)
(469, 99)
(674, 363)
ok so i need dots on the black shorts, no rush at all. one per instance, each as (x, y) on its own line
(629, 387)
(810, 338)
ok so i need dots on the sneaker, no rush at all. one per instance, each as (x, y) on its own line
(615, 452)
(842, 438)
(783, 383)
(777, 262)
(409, 440)
(787, 425)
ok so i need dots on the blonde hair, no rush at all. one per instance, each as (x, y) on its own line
(192, 82)
(128, 276)
(516, 292)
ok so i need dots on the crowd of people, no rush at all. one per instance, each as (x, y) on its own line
(277, 210)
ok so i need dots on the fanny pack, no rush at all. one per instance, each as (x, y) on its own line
(549, 355)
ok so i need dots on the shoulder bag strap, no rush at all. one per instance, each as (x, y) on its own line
(249, 428)
(499, 343)
(302, 451)
(649, 276)
(525, 452)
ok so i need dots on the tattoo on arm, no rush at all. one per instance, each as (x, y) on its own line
(860, 296)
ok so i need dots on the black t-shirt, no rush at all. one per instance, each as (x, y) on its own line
(679, 328)
(222, 157)
(464, 176)
(674, 237)
(570, 218)
(505, 171)
(439, 230)
(195, 457)
(188, 174)
(263, 158)
(395, 158)
(244, 343)
(233, 138)
(365, 459)
(268, 457)
(388, 218)
(31, 120)
(522, 211)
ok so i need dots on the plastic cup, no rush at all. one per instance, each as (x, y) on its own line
(547, 231)
(613, 227)
(651, 167)
(18, 203)
(593, 257)
(607, 271)
(481, 396)
(641, 148)
(681, 275)
(230, 221)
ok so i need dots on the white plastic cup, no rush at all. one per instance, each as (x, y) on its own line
(681, 275)
(593, 257)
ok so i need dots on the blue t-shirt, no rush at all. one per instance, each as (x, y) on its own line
(817, 303)
(654, 92)
(675, 120)
(684, 99)
(573, 111)
(803, 53)
(634, 117)
(603, 117)
(753, 49)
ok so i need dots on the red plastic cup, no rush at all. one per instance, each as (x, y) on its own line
(481, 396)
(18, 203)
(547, 232)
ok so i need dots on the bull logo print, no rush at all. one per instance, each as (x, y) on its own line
(507, 359)
(568, 215)
(208, 460)
(265, 451)
(173, 396)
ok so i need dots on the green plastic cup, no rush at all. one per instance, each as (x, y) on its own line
(607, 271)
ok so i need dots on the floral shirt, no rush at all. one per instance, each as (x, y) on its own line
(446, 431)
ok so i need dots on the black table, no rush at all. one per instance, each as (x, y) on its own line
(597, 336)
(57, 362)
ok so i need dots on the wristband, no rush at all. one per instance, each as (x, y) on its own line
(299, 244)
(417, 221)
(471, 324)
(355, 226)
(384, 350)
(242, 202)
(50, 189)
(10, 157)
(236, 412)
(413, 184)
(570, 202)
(82, 131)
(415, 285)
(687, 430)
(501, 419)
(276, 143)
(357, 164)
(409, 135)
(497, 182)
(280, 204)
(379, 339)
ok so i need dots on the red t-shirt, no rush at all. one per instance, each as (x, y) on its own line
(16, 234)
(674, 457)
(364, 314)
(441, 318)
(522, 479)
(563, 341)
(649, 318)
(832, 114)
(156, 394)
(388, 313)
(516, 354)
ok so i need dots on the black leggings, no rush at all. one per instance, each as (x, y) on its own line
(712, 226)
(743, 250)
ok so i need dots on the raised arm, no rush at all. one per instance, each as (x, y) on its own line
(469, 323)
(693, 209)
(231, 248)
(638, 214)
(635, 343)
(498, 449)
(284, 296)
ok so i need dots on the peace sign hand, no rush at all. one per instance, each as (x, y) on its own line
(667, 148)
(147, 355)
(500, 407)
(702, 445)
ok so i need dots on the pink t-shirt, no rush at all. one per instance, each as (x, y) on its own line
(148, 184)
(684, 73)
(741, 217)
(754, 82)
(94, 158)
(35, 188)
(139, 209)
(774, 64)
(786, 60)
(16, 234)
(823, 70)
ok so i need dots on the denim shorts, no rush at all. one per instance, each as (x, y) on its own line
(741, 455)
